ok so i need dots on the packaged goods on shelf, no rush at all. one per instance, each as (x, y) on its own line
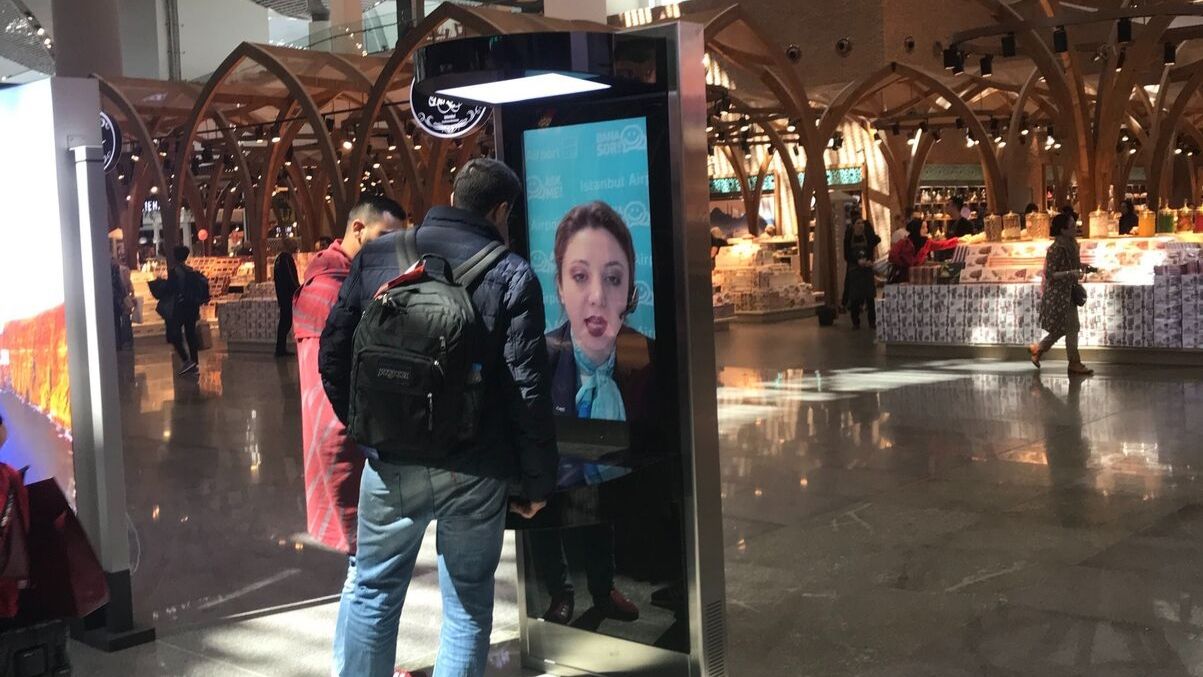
(750, 276)
(1145, 305)
(249, 321)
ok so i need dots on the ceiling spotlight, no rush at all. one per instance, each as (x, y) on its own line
(1178, 150)
(1060, 40)
(935, 135)
(791, 127)
(417, 145)
(348, 145)
(276, 138)
(1170, 57)
(1132, 151)
(1001, 143)
(133, 157)
(392, 143)
(1123, 30)
(745, 124)
(1008, 45)
(41, 31)
(375, 165)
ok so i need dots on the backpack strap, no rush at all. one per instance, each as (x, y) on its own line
(407, 248)
(468, 272)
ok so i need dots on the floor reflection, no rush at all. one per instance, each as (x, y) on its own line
(957, 517)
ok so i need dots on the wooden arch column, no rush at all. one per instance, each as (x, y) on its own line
(296, 90)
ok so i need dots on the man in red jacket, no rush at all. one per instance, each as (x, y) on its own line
(333, 463)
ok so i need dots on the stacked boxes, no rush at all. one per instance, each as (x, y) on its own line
(1191, 302)
(1167, 306)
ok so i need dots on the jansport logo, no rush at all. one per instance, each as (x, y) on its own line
(544, 187)
(393, 374)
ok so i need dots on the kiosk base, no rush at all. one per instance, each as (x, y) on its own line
(112, 627)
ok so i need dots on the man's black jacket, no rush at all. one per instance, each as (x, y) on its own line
(517, 431)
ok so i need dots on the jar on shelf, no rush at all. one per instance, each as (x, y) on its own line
(1167, 220)
(1146, 220)
(1186, 219)
(994, 228)
(1097, 224)
(1010, 226)
(1039, 225)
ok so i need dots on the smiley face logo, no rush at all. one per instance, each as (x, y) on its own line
(633, 138)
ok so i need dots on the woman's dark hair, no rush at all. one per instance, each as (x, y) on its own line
(1030, 208)
(596, 214)
(914, 229)
(1061, 223)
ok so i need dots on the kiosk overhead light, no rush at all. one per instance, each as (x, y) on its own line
(987, 65)
(524, 88)
(1170, 57)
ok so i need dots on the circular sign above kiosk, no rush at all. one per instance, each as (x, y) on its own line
(110, 142)
(444, 117)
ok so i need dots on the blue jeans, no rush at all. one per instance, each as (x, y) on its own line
(340, 627)
(396, 504)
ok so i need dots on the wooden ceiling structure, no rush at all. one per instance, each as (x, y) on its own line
(315, 130)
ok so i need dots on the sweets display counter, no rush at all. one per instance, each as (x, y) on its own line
(760, 284)
(1146, 295)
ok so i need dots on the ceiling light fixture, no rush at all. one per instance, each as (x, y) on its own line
(524, 88)
(1060, 40)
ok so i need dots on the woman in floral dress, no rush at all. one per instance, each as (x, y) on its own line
(1058, 312)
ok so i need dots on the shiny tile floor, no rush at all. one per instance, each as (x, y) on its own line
(883, 516)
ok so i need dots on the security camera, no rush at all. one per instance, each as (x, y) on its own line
(843, 46)
(793, 53)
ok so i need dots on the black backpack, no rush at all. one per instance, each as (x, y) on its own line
(415, 391)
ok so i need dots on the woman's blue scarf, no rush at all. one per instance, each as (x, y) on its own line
(598, 397)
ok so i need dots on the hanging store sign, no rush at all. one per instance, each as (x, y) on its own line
(446, 118)
(110, 142)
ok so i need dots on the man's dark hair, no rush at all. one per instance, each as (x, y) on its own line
(181, 253)
(958, 201)
(484, 183)
(374, 207)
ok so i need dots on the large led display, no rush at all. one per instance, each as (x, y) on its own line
(589, 215)
(34, 380)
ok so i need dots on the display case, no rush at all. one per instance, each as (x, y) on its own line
(760, 281)
(1146, 295)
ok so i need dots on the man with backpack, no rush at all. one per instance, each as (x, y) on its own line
(190, 291)
(435, 359)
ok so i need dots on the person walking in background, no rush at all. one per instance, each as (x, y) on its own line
(860, 284)
(1128, 221)
(123, 304)
(1027, 212)
(914, 249)
(1058, 307)
(464, 490)
(333, 462)
(188, 291)
(961, 226)
(284, 274)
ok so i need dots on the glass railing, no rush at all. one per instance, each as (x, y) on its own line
(379, 32)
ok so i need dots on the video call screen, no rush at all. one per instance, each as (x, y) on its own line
(35, 393)
(589, 212)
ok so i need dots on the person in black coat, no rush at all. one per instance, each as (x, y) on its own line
(284, 274)
(860, 285)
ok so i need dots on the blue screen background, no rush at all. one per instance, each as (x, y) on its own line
(570, 165)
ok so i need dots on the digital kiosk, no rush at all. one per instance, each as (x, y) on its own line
(622, 573)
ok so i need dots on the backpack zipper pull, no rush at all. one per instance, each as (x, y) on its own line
(430, 412)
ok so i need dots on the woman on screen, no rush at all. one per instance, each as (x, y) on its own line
(600, 366)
